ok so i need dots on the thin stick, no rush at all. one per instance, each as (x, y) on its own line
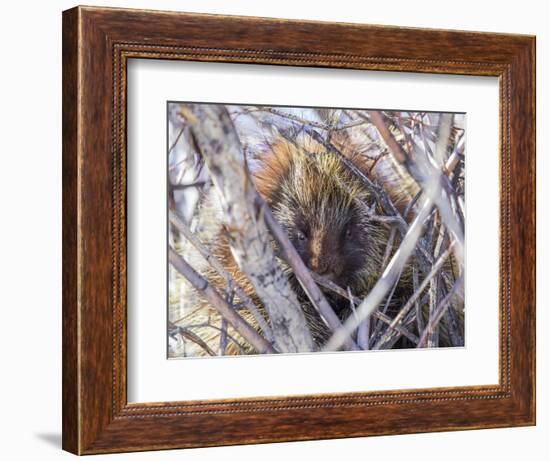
(363, 330)
(192, 337)
(208, 325)
(188, 186)
(387, 279)
(176, 140)
(441, 308)
(450, 320)
(223, 336)
(330, 285)
(302, 273)
(294, 118)
(405, 309)
(426, 175)
(349, 125)
(389, 247)
(218, 142)
(225, 310)
(178, 223)
(433, 337)
(418, 310)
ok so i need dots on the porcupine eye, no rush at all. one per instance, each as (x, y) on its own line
(300, 235)
(299, 239)
(349, 230)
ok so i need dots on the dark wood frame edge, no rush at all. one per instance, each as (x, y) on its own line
(97, 43)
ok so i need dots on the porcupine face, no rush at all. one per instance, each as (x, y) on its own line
(324, 210)
(326, 232)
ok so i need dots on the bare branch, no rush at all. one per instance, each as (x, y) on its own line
(434, 289)
(409, 304)
(417, 307)
(214, 298)
(303, 274)
(184, 332)
(220, 147)
(395, 148)
(188, 186)
(214, 327)
(176, 140)
(294, 118)
(218, 267)
(363, 330)
(427, 176)
(387, 279)
(330, 285)
(440, 310)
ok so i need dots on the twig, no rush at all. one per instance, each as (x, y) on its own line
(387, 279)
(438, 314)
(188, 186)
(434, 289)
(213, 297)
(192, 337)
(349, 125)
(330, 285)
(427, 176)
(363, 330)
(451, 321)
(395, 335)
(387, 302)
(405, 309)
(178, 223)
(395, 148)
(418, 310)
(223, 336)
(302, 273)
(219, 144)
(389, 247)
(176, 140)
(294, 118)
(208, 325)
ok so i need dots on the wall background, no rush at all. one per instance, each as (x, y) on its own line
(30, 227)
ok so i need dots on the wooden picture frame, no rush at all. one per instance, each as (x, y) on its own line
(97, 43)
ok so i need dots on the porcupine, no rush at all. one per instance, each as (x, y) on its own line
(326, 211)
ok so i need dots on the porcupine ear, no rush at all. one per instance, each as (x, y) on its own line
(274, 163)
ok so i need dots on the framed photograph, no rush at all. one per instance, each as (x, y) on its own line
(281, 230)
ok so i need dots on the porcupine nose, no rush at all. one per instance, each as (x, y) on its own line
(318, 265)
(322, 259)
(326, 268)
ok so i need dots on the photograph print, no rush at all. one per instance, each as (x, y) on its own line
(313, 229)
